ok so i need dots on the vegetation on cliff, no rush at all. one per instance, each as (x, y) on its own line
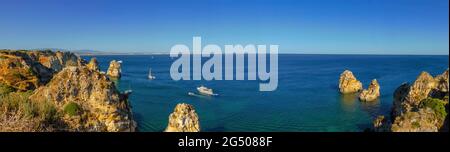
(58, 91)
(419, 107)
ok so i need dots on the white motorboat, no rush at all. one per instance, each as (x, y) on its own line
(205, 91)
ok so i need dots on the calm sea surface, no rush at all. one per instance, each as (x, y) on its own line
(307, 98)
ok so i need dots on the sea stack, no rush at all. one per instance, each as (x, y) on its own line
(114, 69)
(183, 119)
(372, 93)
(348, 83)
(93, 64)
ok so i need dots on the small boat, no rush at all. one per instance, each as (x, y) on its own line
(128, 91)
(150, 76)
(205, 91)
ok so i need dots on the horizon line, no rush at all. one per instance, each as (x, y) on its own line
(97, 52)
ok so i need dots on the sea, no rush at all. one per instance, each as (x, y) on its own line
(307, 98)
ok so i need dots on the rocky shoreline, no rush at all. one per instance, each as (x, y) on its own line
(59, 91)
(418, 107)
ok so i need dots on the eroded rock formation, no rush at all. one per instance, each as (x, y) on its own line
(58, 91)
(372, 93)
(101, 106)
(348, 83)
(27, 70)
(183, 119)
(114, 69)
(422, 106)
(93, 64)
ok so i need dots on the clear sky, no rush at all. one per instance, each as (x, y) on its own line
(298, 26)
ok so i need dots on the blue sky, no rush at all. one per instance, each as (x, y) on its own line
(298, 26)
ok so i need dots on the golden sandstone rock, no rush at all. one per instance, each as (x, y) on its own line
(183, 119)
(422, 106)
(114, 69)
(348, 83)
(103, 107)
(372, 93)
(93, 64)
(64, 92)
(27, 70)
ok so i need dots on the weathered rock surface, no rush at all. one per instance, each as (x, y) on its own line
(93, 64)
(422, 106)
(407, 97)
(348, 83)
(102, 107)
(372, 93)
(27, 70)
(114, 69)
(381, 124)
(424, 120)
(183, 119)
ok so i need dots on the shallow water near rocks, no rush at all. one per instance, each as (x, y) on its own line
(307, 98)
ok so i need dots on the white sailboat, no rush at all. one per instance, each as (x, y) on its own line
(150, 76)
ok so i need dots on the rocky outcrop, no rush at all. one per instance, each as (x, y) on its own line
(99, 106)
(114, 69)
(183, 119)
(93, 65)
(423, 120)
(422, 106)
(407, 97)
(441, 89)
(348, 83)
(381, 124)
(27, 70)
(58, 91)
(372, 93)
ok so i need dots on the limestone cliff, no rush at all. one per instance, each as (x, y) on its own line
(422, 106)
(58, 91)
(407, 97)
(183, 119)
(27, 70)
(348, 83)
(372, 93)
(100, 106)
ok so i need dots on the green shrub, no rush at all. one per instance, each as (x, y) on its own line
(72, 109)
(437, 105)
(5, 89)
(17, 101)
(47, 112)
(416, 124)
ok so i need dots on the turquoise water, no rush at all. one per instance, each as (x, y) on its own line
(307, 98)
